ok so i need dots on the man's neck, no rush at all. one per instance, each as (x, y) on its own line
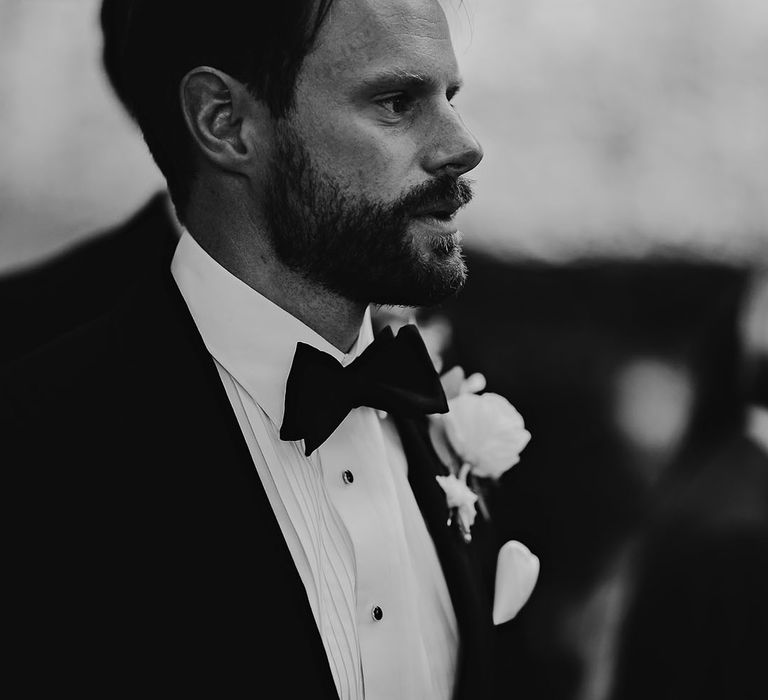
(330, 315)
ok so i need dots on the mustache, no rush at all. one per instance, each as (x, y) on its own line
(444, 190)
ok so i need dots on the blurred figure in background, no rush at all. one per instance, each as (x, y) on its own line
(40, 302)
(680, 611)
(696, 619)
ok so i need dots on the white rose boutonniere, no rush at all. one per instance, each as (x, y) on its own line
(486, 432)
(481, 437)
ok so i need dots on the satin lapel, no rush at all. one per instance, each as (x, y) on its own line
(460, 563)
(261, 589)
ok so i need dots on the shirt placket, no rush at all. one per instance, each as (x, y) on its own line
(360, 485)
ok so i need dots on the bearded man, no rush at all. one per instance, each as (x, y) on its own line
(225, 485)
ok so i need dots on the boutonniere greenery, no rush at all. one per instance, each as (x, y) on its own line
(479, 439)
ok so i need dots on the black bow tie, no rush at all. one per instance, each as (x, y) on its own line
(394, 374)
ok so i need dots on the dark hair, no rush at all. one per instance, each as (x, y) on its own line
(149, 45)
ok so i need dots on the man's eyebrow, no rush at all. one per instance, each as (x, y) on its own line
(405, 79)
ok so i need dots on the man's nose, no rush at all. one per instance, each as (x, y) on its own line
(453, 150)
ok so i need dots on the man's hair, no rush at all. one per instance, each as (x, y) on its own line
(149, 45)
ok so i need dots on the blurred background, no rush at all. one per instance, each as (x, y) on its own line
(617, 247)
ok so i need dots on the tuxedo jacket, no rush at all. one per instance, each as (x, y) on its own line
(42, 301)
(144, 554)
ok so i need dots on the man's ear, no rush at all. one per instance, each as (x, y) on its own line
(223, 117)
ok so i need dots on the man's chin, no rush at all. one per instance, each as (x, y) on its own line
(442, 272)
(449, 278)
(434, 277)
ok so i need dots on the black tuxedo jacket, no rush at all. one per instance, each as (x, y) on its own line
(144, 554)
(42, 301)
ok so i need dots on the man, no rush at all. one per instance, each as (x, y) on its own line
(225, 485)
(42, 301)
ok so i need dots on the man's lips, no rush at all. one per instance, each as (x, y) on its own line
(443, 210)
(438, 218)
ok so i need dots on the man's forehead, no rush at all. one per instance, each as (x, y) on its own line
(361, 17)
(360, 34)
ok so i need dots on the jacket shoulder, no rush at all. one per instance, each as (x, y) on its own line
(41, 302)
(65, 371)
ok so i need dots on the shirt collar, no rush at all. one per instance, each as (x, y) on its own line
(250, 336)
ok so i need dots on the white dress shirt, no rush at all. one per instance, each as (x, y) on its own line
(347, 513)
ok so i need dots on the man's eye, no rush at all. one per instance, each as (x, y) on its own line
(396, 104)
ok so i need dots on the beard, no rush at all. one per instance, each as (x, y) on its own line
(356, 247)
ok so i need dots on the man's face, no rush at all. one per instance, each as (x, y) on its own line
(366, 171)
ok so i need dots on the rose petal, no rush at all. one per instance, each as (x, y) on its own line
(473, 384)
(452, 381)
